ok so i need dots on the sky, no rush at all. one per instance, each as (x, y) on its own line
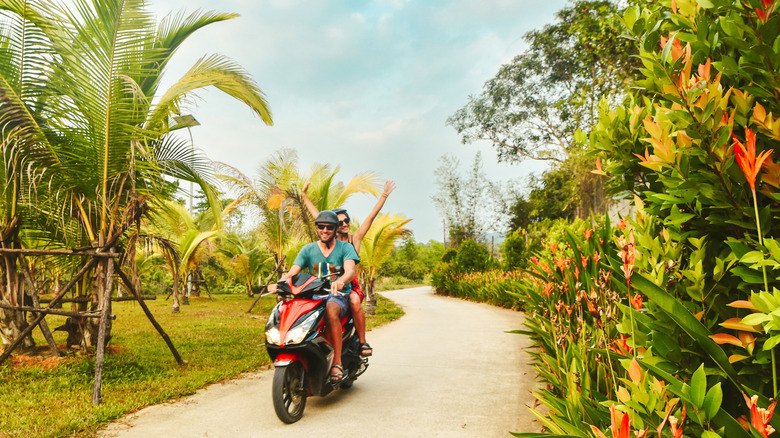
(364, 85)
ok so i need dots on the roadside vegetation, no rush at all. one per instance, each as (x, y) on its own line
(661, 320)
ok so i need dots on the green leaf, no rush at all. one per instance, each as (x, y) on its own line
(698, 387)
(681, 316)
(710, 434)
(712, 401)
(706, 4)
(771, 342)
(756, 319)
(752, 257)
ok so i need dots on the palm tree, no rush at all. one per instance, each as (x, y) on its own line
(247, 258)
(86, 133)
(375, 249)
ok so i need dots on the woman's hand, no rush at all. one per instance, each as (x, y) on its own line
(306, 186)
(389, 187)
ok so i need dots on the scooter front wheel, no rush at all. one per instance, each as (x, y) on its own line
(289, 394)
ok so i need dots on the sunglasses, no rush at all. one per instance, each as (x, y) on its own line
(325, 227)
(345, 221)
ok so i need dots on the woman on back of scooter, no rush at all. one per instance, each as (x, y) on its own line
(342, 233)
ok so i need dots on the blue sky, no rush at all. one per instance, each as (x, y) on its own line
(366, 85)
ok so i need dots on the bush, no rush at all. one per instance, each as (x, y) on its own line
(449, 255)
(514, 250)
(472, 256)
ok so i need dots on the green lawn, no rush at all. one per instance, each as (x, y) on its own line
(218, 339)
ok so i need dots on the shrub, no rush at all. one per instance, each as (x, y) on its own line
(472, 256)
(449, 255)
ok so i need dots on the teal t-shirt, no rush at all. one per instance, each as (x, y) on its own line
(310, 257)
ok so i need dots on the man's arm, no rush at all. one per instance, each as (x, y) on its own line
(361, 232)
(306, 201)
(346, 278)
(294, 270)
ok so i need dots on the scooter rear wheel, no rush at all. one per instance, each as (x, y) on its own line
(289, 394)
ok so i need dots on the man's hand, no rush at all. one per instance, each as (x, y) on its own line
(336, 286)
(272, 287)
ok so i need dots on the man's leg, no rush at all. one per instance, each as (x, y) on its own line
(333, 332)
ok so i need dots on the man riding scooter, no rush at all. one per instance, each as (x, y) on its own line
(324, 257)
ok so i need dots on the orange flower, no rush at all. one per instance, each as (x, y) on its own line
(746, 158)
(588, 233)
(596, 258)
(637, 301)
(759, 417)
(628, 254)
(622, 224)
(677, 425)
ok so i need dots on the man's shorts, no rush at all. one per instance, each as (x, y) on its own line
(342, 300)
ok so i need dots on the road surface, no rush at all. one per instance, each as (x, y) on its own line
(445, 369)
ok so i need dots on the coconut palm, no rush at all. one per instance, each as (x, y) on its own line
(87, 134)
(247, 258)
(376, 248)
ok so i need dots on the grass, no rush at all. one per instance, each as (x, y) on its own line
(50, 397)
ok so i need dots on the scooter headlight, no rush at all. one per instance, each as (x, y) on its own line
(297, 334)
(272, 336)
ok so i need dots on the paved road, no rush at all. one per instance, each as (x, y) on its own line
(446, 369)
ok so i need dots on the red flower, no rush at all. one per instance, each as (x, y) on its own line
(746, 158)
(622, 224)
(588, 233)
(759, 417)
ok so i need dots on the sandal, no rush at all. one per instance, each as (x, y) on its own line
(337, 376)
(366, 350)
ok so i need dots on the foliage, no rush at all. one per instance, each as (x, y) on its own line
(376, 248)
(471, 205)
(472, 257)
(539, 106)
(513, 250)
(449, 255)
(413, 260)
(494, 286)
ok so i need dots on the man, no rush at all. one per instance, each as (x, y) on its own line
(323, 257)
(342, 233)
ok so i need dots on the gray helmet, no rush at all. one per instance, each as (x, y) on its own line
(343, 211)
(327, 217)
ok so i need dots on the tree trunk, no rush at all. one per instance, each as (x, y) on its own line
(370, 297)
(195, 280)
(12, 322)
(176, 306)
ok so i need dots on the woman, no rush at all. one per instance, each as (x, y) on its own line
(356, 296)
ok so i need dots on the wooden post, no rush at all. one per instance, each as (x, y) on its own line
(60, 294)
(149, 315)
(34, 295)
(267, 282)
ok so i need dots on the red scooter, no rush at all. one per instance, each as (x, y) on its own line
(295, 340)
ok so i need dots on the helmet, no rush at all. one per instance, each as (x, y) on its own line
(327, 217)
(343, 211)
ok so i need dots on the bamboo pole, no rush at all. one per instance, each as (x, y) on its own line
(40, 252)
(61, 294)
(149, 315)
(51, 311)
(267, 282)
(36, 302)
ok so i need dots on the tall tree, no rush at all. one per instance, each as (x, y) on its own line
(471, 205)
(376, 247)
(85, 131)
(538, 106)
